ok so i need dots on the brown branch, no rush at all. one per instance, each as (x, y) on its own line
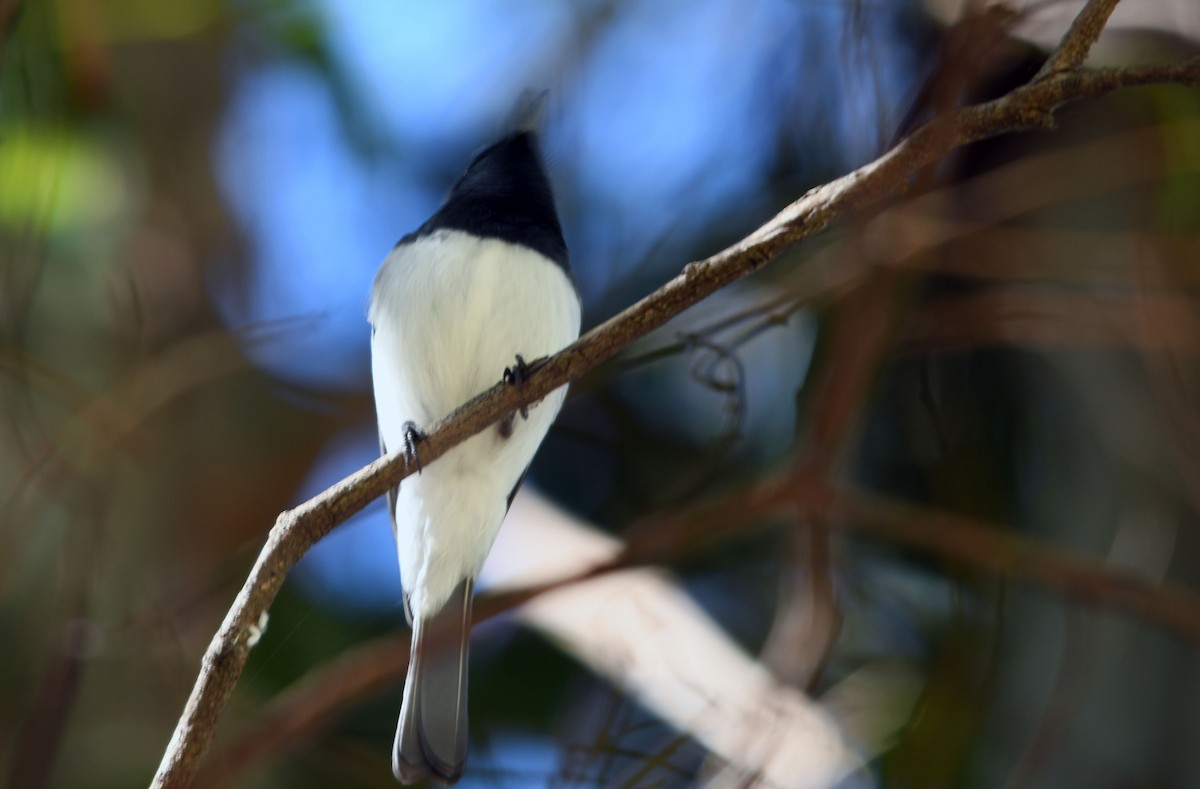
(311, 703)
(989, 546)
(1029, 318)
(1084, 31)
(995, 548)
(296, 530)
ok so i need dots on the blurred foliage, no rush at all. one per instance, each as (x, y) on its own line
(145, 448)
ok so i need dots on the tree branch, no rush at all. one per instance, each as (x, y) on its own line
(981, 544)
(1079, 38)
(296, 530)
(312, 703)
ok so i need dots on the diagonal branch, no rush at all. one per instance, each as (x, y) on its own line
(1030, 106)
(958, 538)
(1080, 37)
(313, 703)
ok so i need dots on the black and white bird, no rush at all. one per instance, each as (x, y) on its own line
(481, 286)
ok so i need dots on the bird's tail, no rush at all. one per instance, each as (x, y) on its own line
(431, 738)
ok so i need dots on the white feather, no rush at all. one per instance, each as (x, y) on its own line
(450, 311)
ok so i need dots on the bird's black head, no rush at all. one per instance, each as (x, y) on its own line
(505, 195)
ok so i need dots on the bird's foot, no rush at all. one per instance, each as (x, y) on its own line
(516, 376)
(518, 373)
(413, 437)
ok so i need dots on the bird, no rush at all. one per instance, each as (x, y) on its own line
(460, 303)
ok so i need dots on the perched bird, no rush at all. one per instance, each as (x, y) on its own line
(458, 304)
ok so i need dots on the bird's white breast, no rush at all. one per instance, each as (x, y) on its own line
(449, 312)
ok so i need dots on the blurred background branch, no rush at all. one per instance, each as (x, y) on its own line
(555, 569)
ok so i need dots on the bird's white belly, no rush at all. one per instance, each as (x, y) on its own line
(449, 313)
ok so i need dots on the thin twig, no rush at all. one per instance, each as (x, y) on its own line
(1083, 33)
(296, 530)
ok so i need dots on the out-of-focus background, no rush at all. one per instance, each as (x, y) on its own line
(194, 196)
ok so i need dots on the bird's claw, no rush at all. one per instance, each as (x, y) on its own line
(413, 437)
(518, 373)
(516, 376)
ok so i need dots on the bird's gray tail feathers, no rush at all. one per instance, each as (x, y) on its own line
(431, 739)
